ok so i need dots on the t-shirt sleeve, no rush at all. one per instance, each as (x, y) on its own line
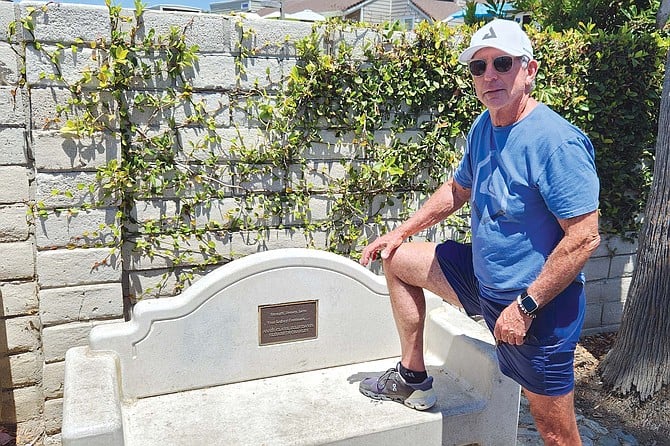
(463, 172)
(569, 183)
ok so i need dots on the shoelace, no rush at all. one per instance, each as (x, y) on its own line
(385, 378)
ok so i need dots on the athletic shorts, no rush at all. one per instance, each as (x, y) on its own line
(543, 364)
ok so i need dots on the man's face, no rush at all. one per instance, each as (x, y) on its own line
(498, 90)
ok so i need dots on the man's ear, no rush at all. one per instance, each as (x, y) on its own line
(532, 68)
(531, 73)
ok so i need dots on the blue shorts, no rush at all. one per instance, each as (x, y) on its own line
(543, 364)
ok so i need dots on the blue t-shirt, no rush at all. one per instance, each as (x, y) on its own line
(522, 178)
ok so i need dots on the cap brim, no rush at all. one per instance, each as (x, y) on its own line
(467, 55)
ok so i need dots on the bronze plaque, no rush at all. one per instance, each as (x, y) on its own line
(287, 322)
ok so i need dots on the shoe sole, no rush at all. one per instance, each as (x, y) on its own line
(420, 403)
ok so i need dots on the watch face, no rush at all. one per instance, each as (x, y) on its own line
(529, 304)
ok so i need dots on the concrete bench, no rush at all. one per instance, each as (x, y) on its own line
(269, 350)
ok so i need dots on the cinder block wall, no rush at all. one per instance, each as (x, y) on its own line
(53, 284)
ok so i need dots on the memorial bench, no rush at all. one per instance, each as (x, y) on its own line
(269, 350)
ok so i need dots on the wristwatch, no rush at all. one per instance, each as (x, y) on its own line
(527, 304)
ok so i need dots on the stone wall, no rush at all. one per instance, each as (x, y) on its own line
(55, 282)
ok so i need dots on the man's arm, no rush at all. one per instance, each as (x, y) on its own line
(450, 197)
(568, 258)
(580, 240)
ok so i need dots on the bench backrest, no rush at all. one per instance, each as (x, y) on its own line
(210, 334)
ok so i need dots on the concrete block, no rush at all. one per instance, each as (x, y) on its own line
(277, 40)
(230, 145)
(387, 138)
(597, 291)
(12, 106)
(53, 152)
(53, 415)
(612, 312)
(13, 146)
(597, 268)
(64, 22)
(68, 189)
(319, 208)
(213, 105)
(300, 238)
(618, 246)
(622, 265)
(52, 379)
(71, 267)
(593, 317)
(47, 100)
(395, 207)
(610, 290)
(250, 242)
(220, 212)
(14, 180)
(356, 40)
(88, 228)
(191, 252)
(318, 175)
(9, 65)
(23, 334)
(41, 71)
(331, 146)
(8, 14)
(262, 181)
(22, 404)
(58, 339)
(43, 105)
(245, 111)
(18, 298)
(261, 72)
(13, 223)
(81, 303)
(215, 71)
(146, 210)
(147, 284)
(210, 32)
(21, 370)
(17, 260)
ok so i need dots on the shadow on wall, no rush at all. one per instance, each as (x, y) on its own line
(7, 404)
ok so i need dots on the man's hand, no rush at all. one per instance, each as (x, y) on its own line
(512, 325)
(385, 244)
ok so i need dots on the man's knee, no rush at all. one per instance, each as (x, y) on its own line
(410, 258)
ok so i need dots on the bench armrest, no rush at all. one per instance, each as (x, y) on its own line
(467, 347)
(91, 403)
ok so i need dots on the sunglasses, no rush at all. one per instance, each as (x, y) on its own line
(502, 64)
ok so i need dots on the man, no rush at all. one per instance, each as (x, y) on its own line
(531, 181)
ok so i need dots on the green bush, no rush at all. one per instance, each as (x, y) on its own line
(609, 85)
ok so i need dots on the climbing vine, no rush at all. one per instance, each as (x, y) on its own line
(346, 145)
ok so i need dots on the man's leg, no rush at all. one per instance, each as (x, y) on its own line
(555, 418)
(410, 269)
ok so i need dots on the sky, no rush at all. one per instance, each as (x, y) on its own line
(202, 4)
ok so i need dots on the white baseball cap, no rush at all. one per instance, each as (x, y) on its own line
(505, 35)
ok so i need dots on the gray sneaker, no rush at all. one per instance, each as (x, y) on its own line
(392, 387)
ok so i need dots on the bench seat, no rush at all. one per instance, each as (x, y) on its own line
(310, 408)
